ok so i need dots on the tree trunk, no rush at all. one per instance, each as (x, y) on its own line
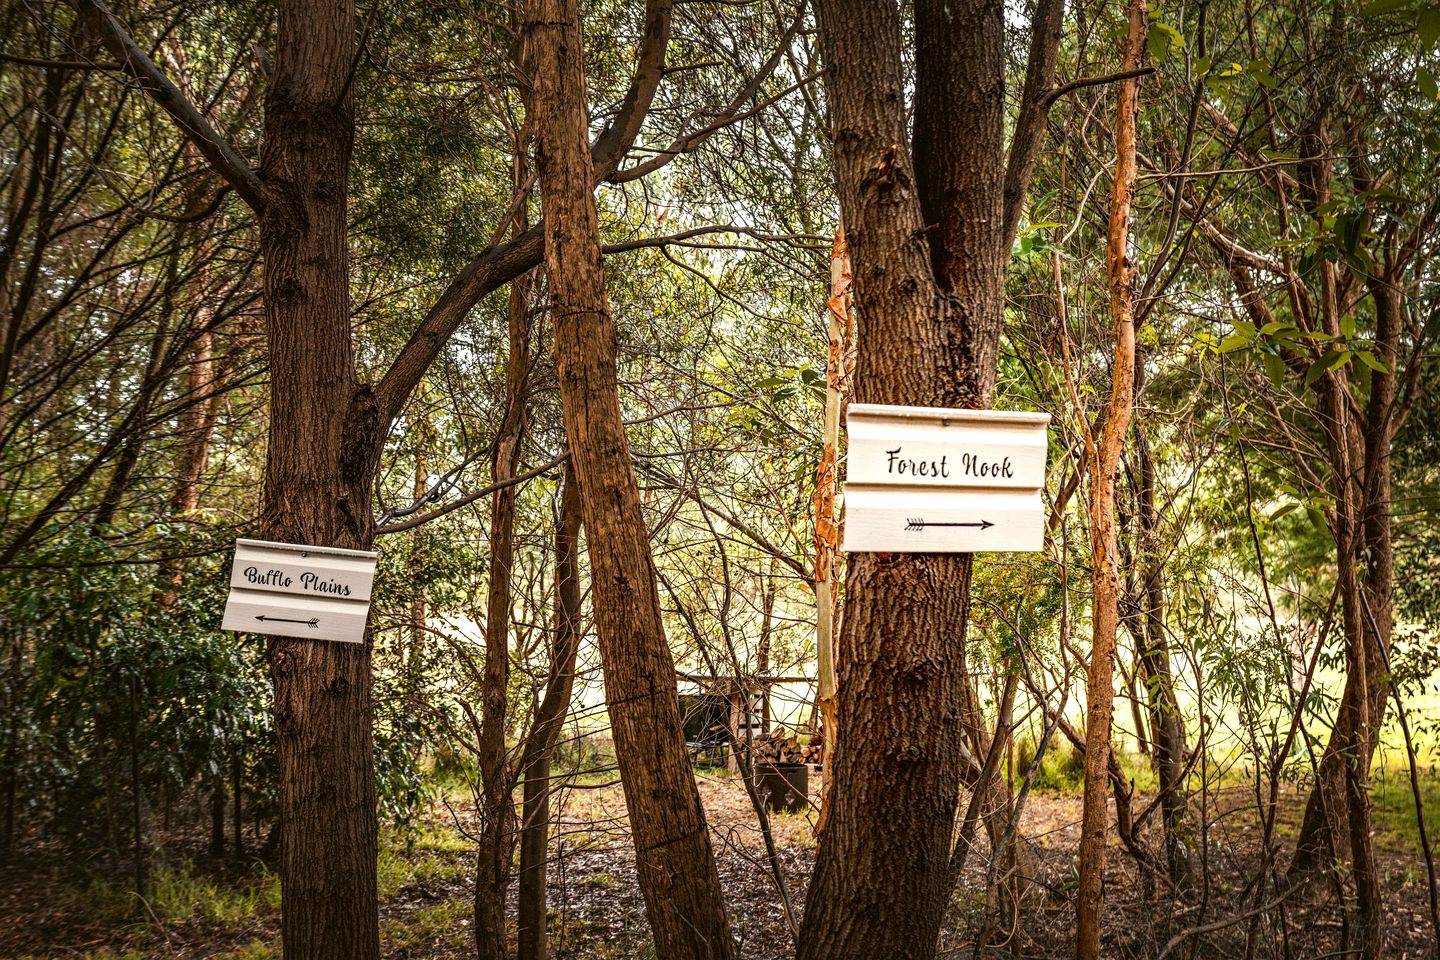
(237, 792)
(217, 816)
(497, 837)
(1104, 464)
(925, 245)
(762, 651)
(1167, 725)
(323, 447)
(675, 864)
(549, 720)
(198, 421)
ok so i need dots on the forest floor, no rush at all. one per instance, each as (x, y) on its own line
(200, 909)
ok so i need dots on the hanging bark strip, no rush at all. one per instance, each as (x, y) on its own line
(675, 863)
(1104, 464)
(827, 518)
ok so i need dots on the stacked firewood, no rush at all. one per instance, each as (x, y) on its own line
(781, 746)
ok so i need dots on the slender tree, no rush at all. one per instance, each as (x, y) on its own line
(676, 866)
(1104, 454)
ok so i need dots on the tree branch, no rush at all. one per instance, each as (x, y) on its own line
(485, 274)
(1034, 106)
(615, 141)
(1073, 85)
(729, 114)
(133, 61)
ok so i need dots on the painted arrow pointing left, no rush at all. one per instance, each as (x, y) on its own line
(312, 623)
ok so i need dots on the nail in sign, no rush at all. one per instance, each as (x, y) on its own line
(293, 590)
(933, 480)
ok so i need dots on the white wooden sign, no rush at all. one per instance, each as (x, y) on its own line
(292, 590)
(934, 480)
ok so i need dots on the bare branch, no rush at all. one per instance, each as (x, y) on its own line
(1034, 105)
(1073, 85)
(212, 146)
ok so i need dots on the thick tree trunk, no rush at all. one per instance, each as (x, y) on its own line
(324, 434)
(1104, 463)
(933, 312)
(675, 864)
(549, 721)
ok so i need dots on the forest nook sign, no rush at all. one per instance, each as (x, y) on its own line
(291, 590)
(931, 480)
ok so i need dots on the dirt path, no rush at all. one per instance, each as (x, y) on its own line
(597, 911)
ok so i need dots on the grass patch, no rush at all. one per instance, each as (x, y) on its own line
(182, 894)
(438, 856)
(1061, 769)
(178, 892)
(432, 929)
(254, 950)
(1393, 807)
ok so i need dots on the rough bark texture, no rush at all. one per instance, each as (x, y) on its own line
(1167, 723)
(932, 311)
(1104, 464)
(198, 422)
(317, 484)
(675, 864)
(549, 719)
(1034, 109)
(496, 845)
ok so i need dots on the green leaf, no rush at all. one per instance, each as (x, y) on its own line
(1379, 7)
(1347, 326)
(1361, 375)
(1328, 361)
(1428, 27)
(1282, 511)
(1236, 341)
(1161, 39)
(1275, 368)
(1425, 80)
(1372, 361)
(1260, 71)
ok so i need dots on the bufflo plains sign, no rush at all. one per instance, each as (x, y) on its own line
(933, 480)
(292, 590)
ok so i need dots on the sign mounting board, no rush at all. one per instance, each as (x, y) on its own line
(935, 480)
(292, 590)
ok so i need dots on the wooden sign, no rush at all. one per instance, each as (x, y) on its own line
(292, 590)
(933, 480)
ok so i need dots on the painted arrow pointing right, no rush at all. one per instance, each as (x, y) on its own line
(920, 523)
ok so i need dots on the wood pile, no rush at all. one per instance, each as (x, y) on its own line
(781, 746)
